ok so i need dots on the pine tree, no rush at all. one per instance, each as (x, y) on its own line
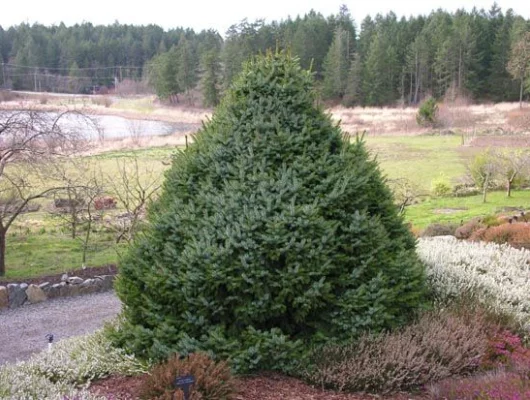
(519, 64)
(368, 31)
(3, 45)
(345, 21)
(242, 41)
(467, 59)
(444, 68)
(438, 31)
(418, 67)
(311, 41)
(337, 64)
(273, 233)
(501, 86)
(379, 81)
(162, 48)
(186, 65)
(162, 75)
(353, 95)
(211, 78)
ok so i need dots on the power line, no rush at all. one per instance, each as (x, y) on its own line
(37, 78)
(51, 76)
(68, 69)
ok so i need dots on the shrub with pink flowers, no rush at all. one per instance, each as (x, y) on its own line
(498, 385)
(505, 349)
(508, 379)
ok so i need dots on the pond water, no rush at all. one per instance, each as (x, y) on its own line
(119, 127)
(109, 126)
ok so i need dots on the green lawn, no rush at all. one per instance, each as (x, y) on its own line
(155, 160)
(39, 244)
(456, 209)
(419, 158)
(37, 254)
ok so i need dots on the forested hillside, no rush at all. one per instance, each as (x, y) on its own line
(379, 61)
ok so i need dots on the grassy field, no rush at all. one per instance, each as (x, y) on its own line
(457, 209)
(38, 244)
(419, 158)
(46, 253)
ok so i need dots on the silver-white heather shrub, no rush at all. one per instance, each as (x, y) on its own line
(84, 358)
(19, 383)
(498, 276)
(66, 371)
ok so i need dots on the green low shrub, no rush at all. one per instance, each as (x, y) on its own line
(490, 221)
(427, 113)
(465, 190)
(440, 187)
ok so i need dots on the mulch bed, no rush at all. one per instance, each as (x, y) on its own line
(85, 273)
(265, 386)
(118, 387)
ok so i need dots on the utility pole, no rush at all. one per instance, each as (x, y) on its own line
(35, 79)
(4, 75)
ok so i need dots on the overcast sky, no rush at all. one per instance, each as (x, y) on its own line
(204, 14)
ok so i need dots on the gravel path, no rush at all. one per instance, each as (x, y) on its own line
(23, 330)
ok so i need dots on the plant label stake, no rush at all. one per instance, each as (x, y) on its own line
(49, 337)
(184, 383)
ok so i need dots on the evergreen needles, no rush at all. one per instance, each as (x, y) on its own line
(272, 234)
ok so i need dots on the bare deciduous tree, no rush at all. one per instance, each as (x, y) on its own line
(71, 210)
(30, 142)
(92, 191)
(405, 192)
(70, 202)
(136, 130)
(482, 170)
(135, 188)
(75, 201)
(511, 166)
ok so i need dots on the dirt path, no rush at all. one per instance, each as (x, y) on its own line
(23, 330)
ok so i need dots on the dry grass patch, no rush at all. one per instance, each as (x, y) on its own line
(378, 121)
(519, 120)
(455, 114)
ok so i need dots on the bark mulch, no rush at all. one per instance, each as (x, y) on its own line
(118, 387)
(266, 386)
(85, 273)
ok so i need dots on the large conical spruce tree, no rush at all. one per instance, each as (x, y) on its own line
(272, 233)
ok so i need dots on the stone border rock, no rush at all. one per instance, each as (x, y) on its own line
(17, 294)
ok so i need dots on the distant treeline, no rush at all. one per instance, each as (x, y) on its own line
(385, 61)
